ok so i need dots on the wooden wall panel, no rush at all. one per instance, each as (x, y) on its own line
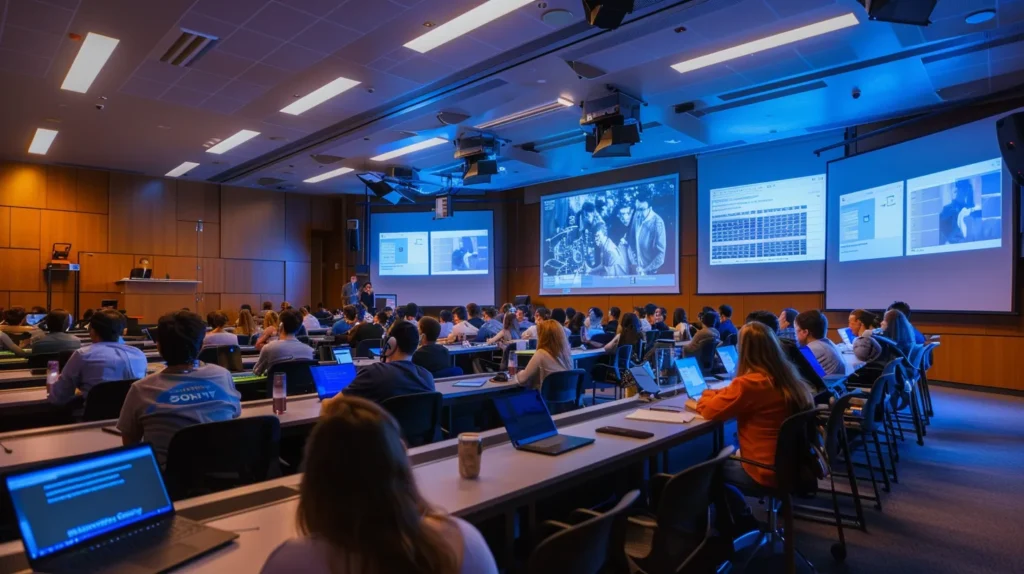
(61, 183)
(92, 191)
(5, 299)
(209, 302)
(149, 308)
(28, 299)
(25, 228)
(252, 224)
(275, 298)
(198, 201)
(21, 270)
(322, 213)
(86, 232)
(22, 185)
(94, 300)
(296, 283)
(213, 275)
(101, 271)
(230, 303)
(248, 275)
(142, 215)
(297, 227)
(186, 240)
(5, 226)
(176, 267)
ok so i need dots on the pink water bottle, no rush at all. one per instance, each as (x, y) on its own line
(52, 374)
(280, 394)
(513, 362)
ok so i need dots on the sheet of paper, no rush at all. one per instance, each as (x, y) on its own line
(661, 416)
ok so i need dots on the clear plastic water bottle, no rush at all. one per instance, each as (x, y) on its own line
(280, 394)
(513, 363)
(52, 374)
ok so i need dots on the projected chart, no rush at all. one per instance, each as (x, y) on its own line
(871, 223)
(769, 222)
(459, 252)
(958, 209)
(403, 254)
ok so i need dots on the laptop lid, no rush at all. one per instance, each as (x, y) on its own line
(34, 318)
(645, 379)
(332, 379)
(846, 335)
(729, 358)
(342, 355)
(61, 507)
(526, 417)
(690, 374)
(812, 360)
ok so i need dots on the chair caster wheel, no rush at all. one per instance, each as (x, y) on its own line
(839, 551)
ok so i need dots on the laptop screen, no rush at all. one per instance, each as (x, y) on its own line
(526, 417)
(332, 379)
(693, 380)
(645, 379)
(34, 318)
(64, 505)
(342, 355)
(812, 360)
(846, 335)
(729, 358)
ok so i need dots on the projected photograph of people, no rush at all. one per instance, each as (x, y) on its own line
(620, 236)
(958, 209)
(461, 252)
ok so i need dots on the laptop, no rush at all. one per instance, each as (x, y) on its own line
(693, 380)
(645, 379)
(729, 358)
(34, 318)
(342, 355)
(105, 512)
(847, 335)
(530, 427)
(332, 379)
(812, 360)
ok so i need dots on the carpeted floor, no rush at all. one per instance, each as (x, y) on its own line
(959, 505)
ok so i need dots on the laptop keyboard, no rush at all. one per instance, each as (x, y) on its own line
(106, 551)
(548, 442)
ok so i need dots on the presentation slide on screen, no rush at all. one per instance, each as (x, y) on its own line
(622, 238)
(930, 218)
(761, 217)
(443, 262)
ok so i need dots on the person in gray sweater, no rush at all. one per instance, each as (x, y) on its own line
(57, 338)
(552, 355)
(286, 347)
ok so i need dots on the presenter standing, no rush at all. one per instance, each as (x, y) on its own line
(350, 292)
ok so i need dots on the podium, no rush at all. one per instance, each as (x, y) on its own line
(149, 299)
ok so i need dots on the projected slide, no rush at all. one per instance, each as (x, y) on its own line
(403, 253)
(622, 238)
(959, 209)
(769, 222)
(459, 252)
(871, 223)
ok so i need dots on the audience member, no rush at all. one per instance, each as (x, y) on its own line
(246, 324)
(905, 309)
(398, 375)
(412, 313)
(594, 317)
(768, 319)
(577, 326)
(57, 338)
(15, 326)
(218, 336)
(505, 309)
(368, 330)
(523, 316)
(463, 329)
(308, 320)
(491, 325)
(656, 317)
(407, 534)
(862, 323)
(628, 333)
(83, 324)
(181, 395)
(641, 313)
(446, 323)
(558, 314)
(271, 321)
(350, 316)
(570, 312)
(430, 355)
(473, 310)
(322, 313)
(286, 347)
(811, 328)
(898, 329)
(366, 297)
(107, 359)
(284, 306)
(786, 328)
(267, 307)
(708, 331)
(681, 325)
(509, 332)
(612, 325)
(552, 355)
(725, 325)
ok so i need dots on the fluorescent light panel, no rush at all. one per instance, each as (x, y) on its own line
(319, 96)
(409, 149)
(93, 54)
(767, 43)
(182, 169)
(559, 104)
(233, 141)
(41, 141)
(329, 175)
(465, 23)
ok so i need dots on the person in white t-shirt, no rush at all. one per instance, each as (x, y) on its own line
(463, 329)
(309, 321)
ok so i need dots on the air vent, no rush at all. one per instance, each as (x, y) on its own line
(269, 181)
(189, 47)
(819, 85)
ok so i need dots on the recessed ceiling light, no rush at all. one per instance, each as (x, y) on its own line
(767, 43)
(185, 167)
(329, 175)
(236, 140)
(428, 24)
(319, 96)
(409, 149)
(41, 141)
(557, 17)
(980, 17)
(559, 104)
(464, 23)
(93, 54)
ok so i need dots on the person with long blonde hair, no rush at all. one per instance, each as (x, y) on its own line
(552, 355)
(245, 324)
(360, 511)
(766, 391)
(270, 323)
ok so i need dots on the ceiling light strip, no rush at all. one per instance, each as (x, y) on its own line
(329, 175)
(234, 141)
(559, 104)
(410, 149)
(319, 96)
(767, 43)
(465, 23)
(182, 169)
(94, 53)
(42, 141)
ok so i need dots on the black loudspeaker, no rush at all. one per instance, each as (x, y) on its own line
(913, 12)
(353, 234)
(1010, 131)
(607, 14)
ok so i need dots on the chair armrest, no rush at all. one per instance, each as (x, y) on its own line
(752, 462)
(581, 515)
(549, 528)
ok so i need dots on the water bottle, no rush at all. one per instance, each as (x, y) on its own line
(52, 374)
(280, 394)
(513, 363)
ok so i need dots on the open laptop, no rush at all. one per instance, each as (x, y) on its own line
(730, 359)
(332, 379)
(530, 427)
(105, 512)
(34, 318)
(342, 355)
(693, 380)
(846, 335)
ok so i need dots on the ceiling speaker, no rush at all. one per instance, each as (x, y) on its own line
(607, 14)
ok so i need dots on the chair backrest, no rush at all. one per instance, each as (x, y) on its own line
(42, 360)
(298, 377)
(211, 457)
(650, 337)
(64, 357)
(668, 335)
(730, 339)
(563, 389)
(796, 437)
(418, 414)
(227, 356)
(583, 548)
(244, 340)
(685, 498)
(706, 355)
(836, 425)
(364, 346)
(928, 355)
(623, 357)
(105, 400)
(575, 341)
(449, 372)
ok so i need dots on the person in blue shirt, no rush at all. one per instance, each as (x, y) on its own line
(351, 317)
(726, 327)
(105, 360)
(490, 327)
(905, 309)
(523, 316)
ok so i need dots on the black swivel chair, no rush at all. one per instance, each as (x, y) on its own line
(245, 340)
(363, 348)
(42, 360)
(227, 356)
(105, 400)
(63, 357)
(418, 414)
(212, 457)
(298, 377)
(706, 355)
(611, 374)
(589, 544)
(563, 390)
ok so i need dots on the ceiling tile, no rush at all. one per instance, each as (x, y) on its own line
(280, 21)
(203, 81)
(206, 25)
(144, 88)
(326, 38)
(38, 16)
(787, 8)
(264, 75)
(746, 20)
(184, 96)
(511, 30)
(421, 69)
(160, 72)
(223, 64)
(382, 64)
(231, 11)
(825, 53)
(315, 7)
(69, 4)
(293, 57)
(365, 16)
(951, 8)
(242, 91)
(25, 64)
(462, 53)
(222, 105)
(248, 44)
(30, 41)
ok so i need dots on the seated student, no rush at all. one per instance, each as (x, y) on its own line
(681, 325)
(16, 327)
(898, 329)
(509, 332)
(105, 360)
(84, 322)
(540, 314)
(153, 410)
(786, 328)
(726, 326)
(505, 309)
(708, 330)
(308, 320)
(862, 323)
(321, 312)
(286, 347)
(350, 316)
(593, 323)
(790, 348)
(558, 314)
(354, 433)
(271, 321)
(463, 329)
(445, 317)
(473, 310)
(523, 316)
(569, 314)
(218, 336)
(268, 306)
(628, 333)
(284, 307)
(905, 309)
(552, 355)
(613, 320)
(245, 307)
(655, 318)
(491, 325)
(368, 331)
(412, 314)
(245, 324)
(430, 355)
(577, 326)
(398, 375)
(645, 323)
(810, 328)
(57, 338)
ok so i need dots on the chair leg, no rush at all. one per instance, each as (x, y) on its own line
(894, 455)
(854, 488)
(915, 418)
(871, 473)
(890, 435)
(881, 462)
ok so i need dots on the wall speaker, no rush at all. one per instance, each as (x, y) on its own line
(353, 234)
(1010, 131)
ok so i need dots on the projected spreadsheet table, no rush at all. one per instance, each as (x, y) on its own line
(403, 253)
(768, 222)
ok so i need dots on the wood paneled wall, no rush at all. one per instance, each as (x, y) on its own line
(254, 245)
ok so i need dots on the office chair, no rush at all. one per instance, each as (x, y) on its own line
(298, 377)
(927, 358)
(227, 356)
(363, 348)
(246, 340)
(63, 357)
(610, 375)
(588, 543)
(563, 390)
(730, 339)
(418, 414)
(211, 457)
(449, 372)
(575, 341)
(706, 355)
(105, 400)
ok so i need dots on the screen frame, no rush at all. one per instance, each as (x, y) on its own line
(678, 234)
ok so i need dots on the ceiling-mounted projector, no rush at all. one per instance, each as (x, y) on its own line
(612, 124)
(393, 194)
(478, 153)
